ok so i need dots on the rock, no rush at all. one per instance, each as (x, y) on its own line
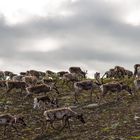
(91, 105)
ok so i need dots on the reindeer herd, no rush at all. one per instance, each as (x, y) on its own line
(37, 85)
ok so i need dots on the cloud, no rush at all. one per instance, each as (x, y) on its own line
(95, 37)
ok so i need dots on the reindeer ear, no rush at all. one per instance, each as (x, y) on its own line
(121, 83)
(22, 117)
(81, 115)
(56, 100)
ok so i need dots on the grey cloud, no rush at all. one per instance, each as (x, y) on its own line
(91, 35)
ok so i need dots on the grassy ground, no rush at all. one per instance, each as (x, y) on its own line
(112, 120)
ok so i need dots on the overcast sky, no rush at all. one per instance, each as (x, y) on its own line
(56, 34)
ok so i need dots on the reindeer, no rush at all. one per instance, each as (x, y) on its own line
(23, 73)
(120, 71)
(33, 73)
(45, 100)
(137, 84)
(85, 85)
(30, 80)
(42, 88)
(9, 75)
(14, 84)
(69, 77)
(51, 83)
(114, 87)
(42, 74)
(63, 114)
(17, 78)
(8, 120)
(61, 73)
(97, 77)
(2, 75)
(109, 74)
(50, 74)
(128, 73)
(78, 71)
(137, 70)
(2, 83)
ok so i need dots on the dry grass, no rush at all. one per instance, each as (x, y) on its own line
(113, 120)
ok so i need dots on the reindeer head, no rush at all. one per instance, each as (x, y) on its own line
(127, 88)
(20, 120)
(80, 118)
(84, 73)
(54, 102)
(36, 103)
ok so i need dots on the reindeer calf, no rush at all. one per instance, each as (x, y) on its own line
(45, 100)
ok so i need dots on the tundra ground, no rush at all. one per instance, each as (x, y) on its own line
(111, 120)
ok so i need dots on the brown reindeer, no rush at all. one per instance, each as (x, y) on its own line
(17, 78)
(109, 74)
(137, 84)
(37, 89)
(9, 75)
(51, 83)
(78, 71)
(137, 70)
(128, 73)
(114, 87)
(69, 77)
(62, 114)
(2, 75)
(61, 73)
(45, 100)
(119, 71)
(97, 77)
(23, 73)
(8, 120)
(15, 85)
(85, 85)
(50, 74)
(30, 80)
(2, 83)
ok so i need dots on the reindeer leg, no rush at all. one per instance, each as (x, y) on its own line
(8, 90)
(52, 125)
(68, 124)
(68, 84)
(117, 97)
(97, 96)
(102, 98)
(15, 129)
(47, 124)
(55, 88)
(21, 91)
(5, 127)
(63, 82)
(99, 102)
(91, 95)
(75, 95)
(28, 95)
(65, 119)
